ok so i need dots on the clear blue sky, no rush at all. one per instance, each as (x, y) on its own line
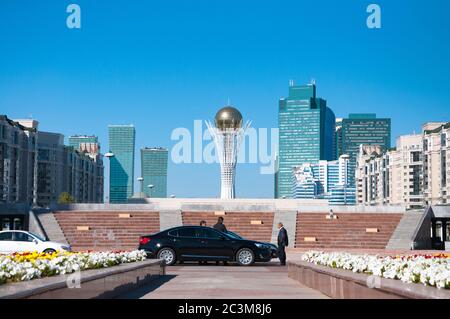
(162, 64)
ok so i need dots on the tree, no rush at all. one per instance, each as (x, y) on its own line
(65, 198)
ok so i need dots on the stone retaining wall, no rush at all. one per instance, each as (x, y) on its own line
(344, 284)
(97, 283)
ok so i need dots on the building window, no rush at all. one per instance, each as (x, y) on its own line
(415, 156)
(425, 145)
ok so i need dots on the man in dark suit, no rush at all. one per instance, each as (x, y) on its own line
(283, 242)
(220, 226)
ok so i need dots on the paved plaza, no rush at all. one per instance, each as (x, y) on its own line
(191, 280)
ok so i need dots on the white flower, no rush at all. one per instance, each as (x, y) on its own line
(412, 269)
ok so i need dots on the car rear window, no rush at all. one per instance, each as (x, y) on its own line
(6, 236)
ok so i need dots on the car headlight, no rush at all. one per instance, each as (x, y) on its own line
(260, 245)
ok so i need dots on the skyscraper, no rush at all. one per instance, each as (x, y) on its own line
(76, 141)
(154, 171)
(364, 129)
(121, 176)
(325, 179)
(339, 137)
(306, 134)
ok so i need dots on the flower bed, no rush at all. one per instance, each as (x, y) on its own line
(28, 266)
(430, 270)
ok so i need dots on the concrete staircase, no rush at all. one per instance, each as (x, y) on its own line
(356, 230)
(402, 238)
(289, 220)
(106, 230)
(170, 219)
(49, 225)
(250, 225)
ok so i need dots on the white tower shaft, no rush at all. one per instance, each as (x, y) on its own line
(227, 144)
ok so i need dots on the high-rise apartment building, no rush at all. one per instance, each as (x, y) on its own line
(18, 165)
(121, 177)
(325, 180)
(61, 169)
(436, 163)
(306, 134)
(392, 177)
(154, 171)
(36, 167)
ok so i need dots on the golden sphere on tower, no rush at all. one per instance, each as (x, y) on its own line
(228, 118)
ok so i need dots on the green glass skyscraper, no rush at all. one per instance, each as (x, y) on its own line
(366, 129)
(306, 134)
(154, 171)
(121, 176)
(76, 140)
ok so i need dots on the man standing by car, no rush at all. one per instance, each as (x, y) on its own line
(283, 242)
(220, 226)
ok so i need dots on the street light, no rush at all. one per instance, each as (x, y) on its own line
(150, 188)
(141, 181)
(109, 155)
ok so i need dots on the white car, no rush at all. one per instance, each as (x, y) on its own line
(12, 241)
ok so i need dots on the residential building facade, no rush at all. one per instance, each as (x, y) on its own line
(306, 134)
(62, 168)
(121, 178)
(392, 177)
(154, 171)
(436, 163)
(18, 161)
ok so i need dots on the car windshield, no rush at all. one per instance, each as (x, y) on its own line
(38, 237)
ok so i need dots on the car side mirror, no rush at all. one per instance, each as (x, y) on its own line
(222, 238)
(35, 241)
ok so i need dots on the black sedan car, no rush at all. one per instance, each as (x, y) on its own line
(197, 243)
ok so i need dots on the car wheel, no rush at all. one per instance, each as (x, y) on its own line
(245, 257)
(167, 255)
(49, 251)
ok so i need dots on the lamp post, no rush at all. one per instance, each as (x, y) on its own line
(150, 189)
(141, 181)
(109, 155)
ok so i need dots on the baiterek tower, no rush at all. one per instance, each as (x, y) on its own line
(227, 133)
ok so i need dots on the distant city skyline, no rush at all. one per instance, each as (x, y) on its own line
(161, 66)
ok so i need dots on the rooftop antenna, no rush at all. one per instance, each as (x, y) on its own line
(313, 81)
(30, 116)
(291, 82)
(229, 102)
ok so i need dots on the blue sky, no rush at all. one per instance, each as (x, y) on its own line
(162, 64)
